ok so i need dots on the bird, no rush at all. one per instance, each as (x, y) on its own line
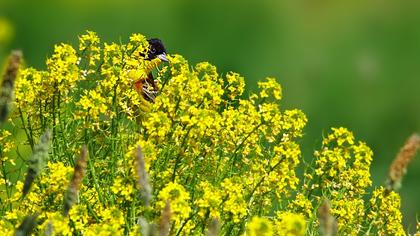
(156, 50)
(147, 86)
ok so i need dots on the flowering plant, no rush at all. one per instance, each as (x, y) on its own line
(202, 158)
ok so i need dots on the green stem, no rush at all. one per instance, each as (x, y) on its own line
(30, 140)
(53, 121)
(179, 154)
(263, 178)
(5, 181)
(184, 223)
(95, 181)
(235, 152)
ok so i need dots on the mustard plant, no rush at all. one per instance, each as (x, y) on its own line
(204, 158)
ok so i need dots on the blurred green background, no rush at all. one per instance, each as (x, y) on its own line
(345, 63)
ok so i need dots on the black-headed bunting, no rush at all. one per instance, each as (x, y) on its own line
(147, 86)
(156, 50)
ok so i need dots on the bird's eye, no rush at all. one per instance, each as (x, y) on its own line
(152, 50)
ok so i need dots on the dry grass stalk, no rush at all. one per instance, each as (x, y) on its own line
(49, 229)
(143, 178)
(146, 228)
(27, 226)
(165, 221)
(76, 181)
(37, 161)
(399, 166)
(8, 83)
(214, 228)
(327, 222)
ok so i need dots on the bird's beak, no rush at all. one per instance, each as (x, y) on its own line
(163, 57)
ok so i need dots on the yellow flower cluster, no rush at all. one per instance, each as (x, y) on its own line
(90, 49)
(385, 214)
(203, 148)
(6, 145)
(201, 119)
(259, 226)
(302, 204)
(288, 223)
(283, 224)
(210, 201)
(179, 201)
(92, 105)
(63, 69)
(123, 189)
(350, 214)
(342, 164)
(111, 223)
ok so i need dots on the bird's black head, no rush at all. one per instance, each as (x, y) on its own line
(156, 49)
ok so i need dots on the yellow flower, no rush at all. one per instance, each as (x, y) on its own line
(385, 212)
(57, 178)
(30, 89)
(92, 104)
(302, 204)
(236, 85)
(111, 223)
(123, 188)
(349, 214)
(6, 145)
(210, 201)
(209, 151)
(178, 199)
(235, 204)
(343, 164)
(289, 224)
(79, 217)
(6, 228)
(259, 226)
(293, 122)
(158, 125)
(62, 68)
(270, 88)
(58, 223)
(89, 46)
